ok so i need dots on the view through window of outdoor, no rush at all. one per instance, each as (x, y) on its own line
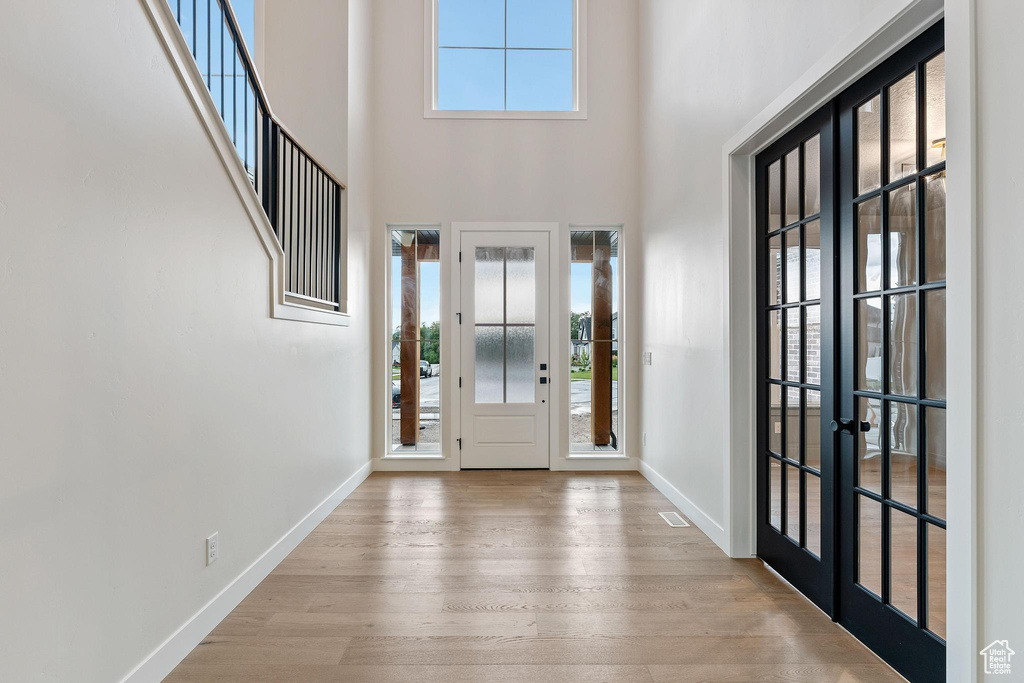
(415, 344)
(594, 340)
(514, 55)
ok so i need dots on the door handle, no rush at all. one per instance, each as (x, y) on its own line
(847, 425)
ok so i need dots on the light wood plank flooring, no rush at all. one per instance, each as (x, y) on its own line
(520, 576)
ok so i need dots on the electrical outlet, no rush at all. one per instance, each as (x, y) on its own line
(647, 358)
(645, 439)
(212, 549)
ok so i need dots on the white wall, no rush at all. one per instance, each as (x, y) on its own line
(706, 69)
(1000, 326)
(303, 61)
(444, 170)
(146, 398)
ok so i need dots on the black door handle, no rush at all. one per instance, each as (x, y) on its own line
(842, 425)
(847, 425)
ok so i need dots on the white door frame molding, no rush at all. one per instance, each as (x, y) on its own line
(884, 31)
(555, 360)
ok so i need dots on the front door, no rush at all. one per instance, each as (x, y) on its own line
(504, 341)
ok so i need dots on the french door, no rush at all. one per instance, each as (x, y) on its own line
(505, 334)
(795, 465)
(875, 331)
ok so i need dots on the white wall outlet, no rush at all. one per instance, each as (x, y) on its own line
(644, 439)
(647, 357)
(212, 549)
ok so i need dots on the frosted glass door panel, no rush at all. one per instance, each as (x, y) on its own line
(520, 286)
(505, 312)
(519, 375)
(490, 285)
(490, 374)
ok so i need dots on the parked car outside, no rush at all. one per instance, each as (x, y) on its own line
(396, 394)
(426, 370)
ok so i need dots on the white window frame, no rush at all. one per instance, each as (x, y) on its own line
(445, 388)
(579, 73)
(619, 453)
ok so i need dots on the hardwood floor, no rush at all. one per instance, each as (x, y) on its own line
(520, 576)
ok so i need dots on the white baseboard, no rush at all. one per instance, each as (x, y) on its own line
(170, 653)
(710, 527)
(585, 463)
(398, 463)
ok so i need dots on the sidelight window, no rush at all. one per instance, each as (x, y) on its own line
(594, 415)
(415, 341)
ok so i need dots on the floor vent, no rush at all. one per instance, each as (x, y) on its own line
(673, 519)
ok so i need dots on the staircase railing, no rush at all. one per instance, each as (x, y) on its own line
(302, 199)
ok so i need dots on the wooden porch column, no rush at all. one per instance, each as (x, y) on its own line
(601, 351)
(409, 358)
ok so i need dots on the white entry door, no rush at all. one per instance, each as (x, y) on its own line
(504, 364)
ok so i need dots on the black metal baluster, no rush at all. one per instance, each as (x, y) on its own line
(194, 22)
(329, 208)
(209, 46)
(303, 239)
(338, 289)
(311, 245)
(310, 228)
(234, 92)
(319, 235)
(297, 243)
(328, 240)
(314, 288)
(223, 17)
(286, 223)
(245, 123)
(293, 223)
(267, 172)
(307, 217)
(327, 237)
(323, 238)
(274, 170)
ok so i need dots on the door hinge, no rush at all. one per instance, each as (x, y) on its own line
(460, 443)
(460, 257)
(460, 383)
(460, 317)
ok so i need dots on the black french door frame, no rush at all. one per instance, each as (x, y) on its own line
(811, 575)
(900, 640)
(903, 641)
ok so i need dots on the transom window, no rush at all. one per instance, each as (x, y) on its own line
(505, 58)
